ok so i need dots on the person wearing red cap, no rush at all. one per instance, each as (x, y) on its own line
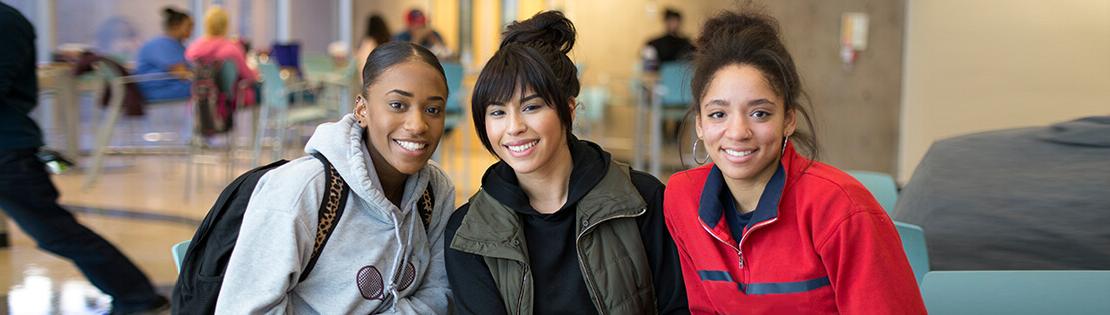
(418, 31)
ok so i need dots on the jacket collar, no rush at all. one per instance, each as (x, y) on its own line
(490, 228)
(590, 165)
(712, 208)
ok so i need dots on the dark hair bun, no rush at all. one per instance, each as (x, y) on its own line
(730, 29)
(169, 12)
(549, 29)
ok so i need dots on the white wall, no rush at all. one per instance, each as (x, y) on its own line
(988, 64)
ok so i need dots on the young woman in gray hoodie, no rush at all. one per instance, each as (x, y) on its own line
(384, 255)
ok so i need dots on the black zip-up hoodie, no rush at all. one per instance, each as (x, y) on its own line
(559, 287)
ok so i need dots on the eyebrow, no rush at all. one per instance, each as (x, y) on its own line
(761, 101)
(409, 94)
(403, 93)
(756, 102)
(716, 102)
(529, 98)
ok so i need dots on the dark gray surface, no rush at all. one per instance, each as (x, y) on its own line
(1027, 198)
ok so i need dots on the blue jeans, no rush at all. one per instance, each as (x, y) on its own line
(28, 196)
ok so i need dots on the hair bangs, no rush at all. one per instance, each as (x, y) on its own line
(513, 70)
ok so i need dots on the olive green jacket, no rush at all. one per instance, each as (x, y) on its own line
(611, 253)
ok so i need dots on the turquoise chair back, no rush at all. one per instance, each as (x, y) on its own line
(1017, 292)
(454, 74)
(454, 110)
(913, 242)
(273, 88)
(675, 77)
(178, 251)
(880, 185)
(228, 77)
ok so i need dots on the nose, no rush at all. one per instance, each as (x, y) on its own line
(416, 123)
(739, 129)
(516, 124)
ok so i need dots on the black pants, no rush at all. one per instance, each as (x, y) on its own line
(28, 196)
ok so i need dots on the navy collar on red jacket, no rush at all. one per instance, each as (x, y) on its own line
(716, 199)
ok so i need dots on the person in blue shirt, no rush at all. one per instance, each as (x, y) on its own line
(166, 54)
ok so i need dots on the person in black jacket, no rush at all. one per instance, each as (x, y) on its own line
(671, 46)
(558, 226)
(29, 197)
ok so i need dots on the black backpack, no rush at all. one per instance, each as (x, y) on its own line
(202, 268)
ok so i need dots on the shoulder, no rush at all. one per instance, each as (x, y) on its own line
(646, 184)
(454, 222)
(683, 191)
(833, 191)
(297, 187)
(688, 181)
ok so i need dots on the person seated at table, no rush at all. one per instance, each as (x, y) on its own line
(215, 45)
(166, 54)
(418, 31)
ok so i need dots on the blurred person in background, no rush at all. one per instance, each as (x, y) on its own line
(166, 54)
(418, 31)
(671, 46)
(377, 34)
(216, 46)
(117, 37)
(29, 197)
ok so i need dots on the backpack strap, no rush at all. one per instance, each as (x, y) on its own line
(425, 206)
(331, 209)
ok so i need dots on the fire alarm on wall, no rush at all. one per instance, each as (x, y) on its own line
(853, 36)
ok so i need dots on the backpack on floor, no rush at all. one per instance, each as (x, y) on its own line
(202, 269)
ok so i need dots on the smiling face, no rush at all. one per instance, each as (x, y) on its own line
(403, 116)
(526, 132)
(743, 123)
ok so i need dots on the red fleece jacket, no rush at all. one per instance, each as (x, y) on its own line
(818, 243)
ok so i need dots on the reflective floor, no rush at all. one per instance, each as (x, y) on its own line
(140, 205)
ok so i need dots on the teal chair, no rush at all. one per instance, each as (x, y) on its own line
(454, 109)
(1017, 292)
(277, 114)
(670, 99)
(881, 185)
(674, 81)
(913, 242)
(178, 251)
(885, 191)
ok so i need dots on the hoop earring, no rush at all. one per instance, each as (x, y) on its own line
(784, 145)
(694, 153)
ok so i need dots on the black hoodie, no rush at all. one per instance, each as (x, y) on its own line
(558, 284)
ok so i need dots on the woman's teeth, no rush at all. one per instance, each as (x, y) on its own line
(411, 146)
(521, 148)
(738, 153)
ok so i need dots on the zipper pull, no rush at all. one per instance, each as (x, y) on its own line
(740, 255)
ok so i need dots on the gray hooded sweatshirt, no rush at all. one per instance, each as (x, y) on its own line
(379, 259)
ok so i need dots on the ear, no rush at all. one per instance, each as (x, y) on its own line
(791, 123)
(361, 109)
(697, 125)
(573, 103)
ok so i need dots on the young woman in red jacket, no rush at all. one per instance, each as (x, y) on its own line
(764, 229)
